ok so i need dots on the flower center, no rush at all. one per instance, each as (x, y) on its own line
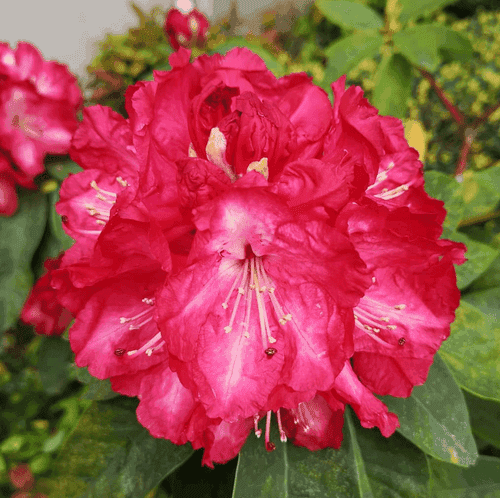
(252, 282)
(101, 210)
(135, 323)
(385, 193)
(368, 319)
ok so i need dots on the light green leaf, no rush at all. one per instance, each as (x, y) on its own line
(412, 9)
(481, 192)
(479, 258)
(20, 236)
(480, 481)
(447, 189)
(367, 465)
(484, 418)
(472, 352)
(393, 86)
(488, 301)
(346, 53)
(435, 417)
(110, 454)
(350, 15)
(423, 45)
(490, 279)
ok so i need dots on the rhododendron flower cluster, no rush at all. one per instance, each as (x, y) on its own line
(248, 254)
(186, 29)
(38, 104)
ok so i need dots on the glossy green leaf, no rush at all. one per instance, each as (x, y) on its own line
(447, 189)
(480, 481)
(20, 236)
(346, 53)
(479, 258)
(350, 15)
(54, 363)
(435, 417)
(60, 169)
(481, 192)
(472, 351)
(367, 465)
(488, 280)
(110, 454)
(488, 301)
(424, 45)
(484, 418)
(411, 9)
(393, 86)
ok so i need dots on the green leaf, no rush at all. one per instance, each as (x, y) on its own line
(412, 9)
(350, 15)
(60, 169)
(447, 189)
(366, 465)
(423, 45)
(481, 192)
(490, 279)
(472, 351)
(20, 236)
(484, 418)
(393, 86)
(480, 481)
(479, 258)
(488, 301)
(346, 53)
(435, 417)
(110, 454)
(54, 363)
(98, 390)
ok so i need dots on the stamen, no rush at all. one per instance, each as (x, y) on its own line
(391, 194)
(241, 292)
(121, 181)
(126, 320)
(216, 150)
(150, 301)
(270, 352)
(119, 352)
(147, 346)
(258, 432)
(269, 446)
(401, 341)
(400, 307)
(280, 427)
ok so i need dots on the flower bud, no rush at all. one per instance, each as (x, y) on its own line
(186, 30)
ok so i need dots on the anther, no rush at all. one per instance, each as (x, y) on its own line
(258, 432)
(119, 352)
(271, 352)
(402, 341)
(400, 306)
(121, 181)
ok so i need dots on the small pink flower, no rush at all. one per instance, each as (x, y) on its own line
(186, 29)
(21, 477)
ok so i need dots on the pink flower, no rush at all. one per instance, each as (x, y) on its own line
(38, 104)
(41, 309)
(186, 29)
(235, 257)
(21, 477)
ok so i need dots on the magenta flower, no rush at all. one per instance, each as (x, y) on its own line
(237, 260)
(39, 100)
(186, 29)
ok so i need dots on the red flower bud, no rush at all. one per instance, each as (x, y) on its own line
(186, 30)
(21, 477)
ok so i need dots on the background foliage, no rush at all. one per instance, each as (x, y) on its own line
(432, 63)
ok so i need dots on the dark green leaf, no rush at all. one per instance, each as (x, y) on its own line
(447, 189)
(350, 15)
(366, 465)
(484, 418)
(99, 390)
(55, 223)
(346, 53)
(412, 9)
(490, 279)
(479, 258)
(110, 454)
(54, 363)
(480, 481)
(435, 417)
(20, 236)
(423, 45)
(393, 86)
(472, 351)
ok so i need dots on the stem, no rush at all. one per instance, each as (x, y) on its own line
(479, 219)
(454, 111)
(469, 135)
